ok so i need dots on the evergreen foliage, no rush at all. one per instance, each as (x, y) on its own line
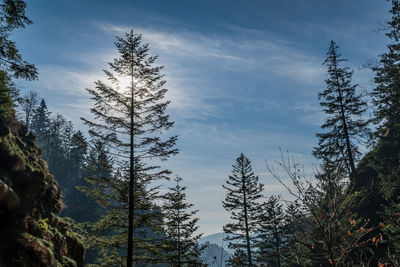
(6, 103)
(74, 176)
(108, 234)
(378, 181)
(40, 124)
(344, 107)
(12, 17)
(81, 204)
(180, 228)
(386, 94)
(242, 201)
(238, 259)
(270, 237)
(292, 227)
(130, 121)
(98, 166)
(28, 104)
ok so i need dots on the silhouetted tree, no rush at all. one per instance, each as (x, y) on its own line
(12, 17)
(183, 248)
(75, 166)
(344, 107)
(238, 259)
(98, 167)
(242, 201)
(131, 120)
(270, 236)
(386, 94)
(40, 124)
(292, 228)
(28, 104)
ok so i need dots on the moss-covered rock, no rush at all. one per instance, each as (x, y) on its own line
(377, 178)
(31, 234)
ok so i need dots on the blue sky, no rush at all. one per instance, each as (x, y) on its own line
(243, 76)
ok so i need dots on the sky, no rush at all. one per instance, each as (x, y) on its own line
(243, 75)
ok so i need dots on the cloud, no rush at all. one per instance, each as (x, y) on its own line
(193, 61)
(241, 50)
(311, 113)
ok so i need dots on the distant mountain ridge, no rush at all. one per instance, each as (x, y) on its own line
(216, 251)
(218, 239)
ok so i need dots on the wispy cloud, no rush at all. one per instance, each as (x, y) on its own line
(192, 60)
(242, 50)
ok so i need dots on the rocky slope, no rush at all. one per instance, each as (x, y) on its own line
(31, 233)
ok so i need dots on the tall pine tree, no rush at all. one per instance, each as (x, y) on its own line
(98, 167)
(84, 202)
(183, 247)
(344, 107)
(292, 228)
(271, 233)
(40, 124)
(386, 94)
(242, 201)
(75, 164)
(131, 120)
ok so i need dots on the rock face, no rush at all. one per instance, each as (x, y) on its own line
(31, 233)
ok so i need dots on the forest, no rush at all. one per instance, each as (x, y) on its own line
(103, 194)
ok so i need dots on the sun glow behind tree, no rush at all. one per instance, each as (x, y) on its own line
(130, 117)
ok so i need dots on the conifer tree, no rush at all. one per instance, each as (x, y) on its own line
(242, 201)
(56, 147)
(41, 123)
(292, 228)
(131, 121)
(12, 65)
(183, 248)
(75, 166)
(98, 167)
(85, 204)
(386, 94)
(238, 259)
(12, 17)
(28, 104)
(344, 107)
(271, 233)
(77, 155)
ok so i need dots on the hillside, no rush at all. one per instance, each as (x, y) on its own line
(31, 233)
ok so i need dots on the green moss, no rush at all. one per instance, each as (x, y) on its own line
(6, 110)
(67, 262)
(43, 224)
(12, 157)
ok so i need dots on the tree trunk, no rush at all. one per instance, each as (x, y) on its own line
(131, 177)
(346, 132)
(246, 225)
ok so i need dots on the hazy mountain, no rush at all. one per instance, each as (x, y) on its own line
(216, 251)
